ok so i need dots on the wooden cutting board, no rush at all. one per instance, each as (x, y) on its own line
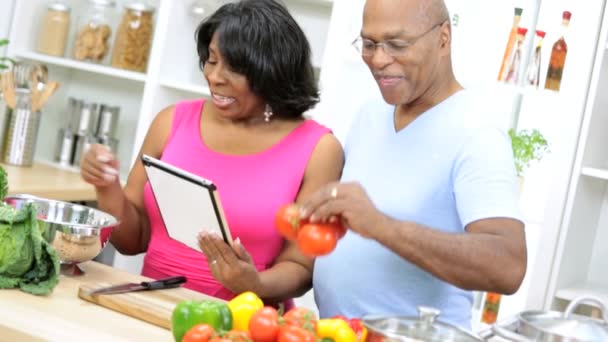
(154, 307)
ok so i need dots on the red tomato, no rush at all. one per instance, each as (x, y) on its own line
(315, 239)
(237, 336)
(292, 333)
(219, 339)
(199, 333)
(287, 221)
(301, 317)
(340, 229)
(264, 325)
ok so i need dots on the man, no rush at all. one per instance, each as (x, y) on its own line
(428, 191)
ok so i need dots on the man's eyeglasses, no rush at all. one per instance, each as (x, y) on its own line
(392, 47)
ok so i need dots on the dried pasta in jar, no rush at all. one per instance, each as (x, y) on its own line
(92, 40)
(134, 38)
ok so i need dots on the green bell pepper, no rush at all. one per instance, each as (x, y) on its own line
(192, 312)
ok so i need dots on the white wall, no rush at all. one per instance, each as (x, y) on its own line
(6, 10)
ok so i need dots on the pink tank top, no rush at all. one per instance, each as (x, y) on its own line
(251, 188)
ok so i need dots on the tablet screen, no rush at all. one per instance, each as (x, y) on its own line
(188, 203)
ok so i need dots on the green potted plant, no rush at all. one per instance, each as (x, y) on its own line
(528, 146)
(4, 61)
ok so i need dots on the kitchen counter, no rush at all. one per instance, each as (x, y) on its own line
(48, 181)
(62, 316)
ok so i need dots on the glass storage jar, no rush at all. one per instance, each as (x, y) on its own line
(134, 37)
(94, 32)
(53, 34)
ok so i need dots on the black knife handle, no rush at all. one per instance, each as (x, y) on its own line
(166, 283)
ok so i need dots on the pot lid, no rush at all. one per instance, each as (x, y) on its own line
(424, 327)
(568, 325)
(578, 327)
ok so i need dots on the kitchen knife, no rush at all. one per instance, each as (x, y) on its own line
(166, 283)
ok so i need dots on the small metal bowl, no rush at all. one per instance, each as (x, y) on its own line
(78, 233)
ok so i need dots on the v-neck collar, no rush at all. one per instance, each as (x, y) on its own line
(424, 116)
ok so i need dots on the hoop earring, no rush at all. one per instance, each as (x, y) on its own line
(268, 113)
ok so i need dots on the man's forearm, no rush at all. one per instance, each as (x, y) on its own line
(472, 261)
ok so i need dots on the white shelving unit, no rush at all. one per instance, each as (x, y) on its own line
(595, 173)
(577, 237)
(82, 66)
(173, 72)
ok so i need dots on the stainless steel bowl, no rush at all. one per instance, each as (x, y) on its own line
(78, 233)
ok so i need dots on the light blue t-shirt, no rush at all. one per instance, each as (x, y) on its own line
(444, 170)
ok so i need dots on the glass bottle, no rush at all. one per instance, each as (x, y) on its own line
(515, 60)
(53, 34)
(533, 76)
(502, 74)
(558, 57)
(490, 307)
(134, 37)
(94, 31)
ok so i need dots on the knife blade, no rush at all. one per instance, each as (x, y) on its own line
(166, 283)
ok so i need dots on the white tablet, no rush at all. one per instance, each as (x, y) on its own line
(188, 203)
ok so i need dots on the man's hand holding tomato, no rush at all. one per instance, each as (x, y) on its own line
(349, 202)
(313, 239)
(232, 266)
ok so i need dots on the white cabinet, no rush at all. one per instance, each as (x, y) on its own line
(576, 246)
(172, 75)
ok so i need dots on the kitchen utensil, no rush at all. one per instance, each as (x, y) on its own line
(167, 283)
(154, 307)
(8, 89)
(78, 233)
(422, 328)
(557, 326)
(24, 75)
(39, 99)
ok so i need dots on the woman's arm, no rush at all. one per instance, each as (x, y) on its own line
(291, 275)
(133, 234)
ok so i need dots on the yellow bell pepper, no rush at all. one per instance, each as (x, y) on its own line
(363, 334)
(337, 329)
(243, 307)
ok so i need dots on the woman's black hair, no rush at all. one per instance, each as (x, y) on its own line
(262, 41)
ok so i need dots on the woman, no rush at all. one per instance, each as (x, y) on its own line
(250, 139)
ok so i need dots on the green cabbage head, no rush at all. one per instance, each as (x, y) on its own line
(27, 261)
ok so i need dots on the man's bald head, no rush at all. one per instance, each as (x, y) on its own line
(436, 11)
(425, 12)
(423, 62)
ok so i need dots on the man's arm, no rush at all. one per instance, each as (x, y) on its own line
(489, 256)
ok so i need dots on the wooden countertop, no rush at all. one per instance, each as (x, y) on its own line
(62, 316)
(48, 181)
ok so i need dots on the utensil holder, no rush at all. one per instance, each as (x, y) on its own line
(21, 134)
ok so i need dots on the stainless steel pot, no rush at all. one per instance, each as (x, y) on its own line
(422, 328)
(554, 326)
